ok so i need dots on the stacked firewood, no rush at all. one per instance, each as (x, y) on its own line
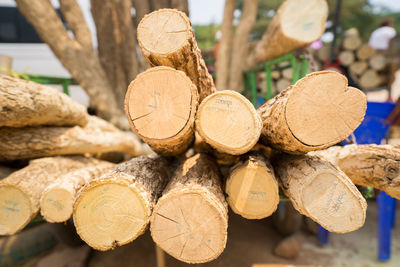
(213, 149)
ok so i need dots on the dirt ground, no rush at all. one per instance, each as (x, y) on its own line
(252, 242)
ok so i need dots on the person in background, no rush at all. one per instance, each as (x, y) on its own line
(381, 38)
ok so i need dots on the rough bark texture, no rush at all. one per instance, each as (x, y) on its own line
(161, 104)
(179, 52)
(115, 209)
(344, 108)
(240, 43)
(97, 136)
(368, 165)
(20, 192)
(252, 188)
(321, 191)
(190, 220)
(275, 42)
(76, 55)
(116, 43)
(224, 50)
(58, 198)
(26, 103)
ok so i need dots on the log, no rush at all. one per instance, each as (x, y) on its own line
(58, 198)
(276, 74)
(160, 105)
(25, 103)
(287, 74)
(115, 209)
(365, 52)
(319, 190)
(295, 25)
(283, 84)
(318, 111)
(190, 220)
(346, 58)
(228, 122)
(20, 192)
(370, 79)
(358, 67)
(378, 62)
(252, 188)
(166, 38)
(368, 165)
(352, 42)
(324, 53)
(97, 136)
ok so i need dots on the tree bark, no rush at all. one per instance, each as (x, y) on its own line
(295, 25)
(76, 55)
(181, 5)
(318, 111)
(20, 192)
(115, 209)
(116, 43)
(190, 220)
(368, 165)
(228, 122)
(97, 136)
(321, 191)
(58, 198)
(240, 43)
(160, 105)
(252, 188)
(224, 50)
(158, 4)
(166, 38)
(142, 8)
(26, 103)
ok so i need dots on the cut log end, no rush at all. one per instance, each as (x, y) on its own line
(169, 31)
(338, 111)
(181, 231)
(110, 213)
(252, 191)
(56, 205)
(302, 25)
(228, 121)
(15, 209)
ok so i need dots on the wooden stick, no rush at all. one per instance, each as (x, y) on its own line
(166, 38)
(252, 188)
(58, 198)
(98, 136)
(318, 111)
(321, 191)
(160, 105)
(25, 103)
(295, 25)
(20, 192)
(190, 220)
(368, 165)
(115, 209)
(228, 122)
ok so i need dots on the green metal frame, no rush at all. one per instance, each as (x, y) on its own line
(65, 82)
(299, 64)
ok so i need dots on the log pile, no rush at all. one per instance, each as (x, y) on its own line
(179, 192)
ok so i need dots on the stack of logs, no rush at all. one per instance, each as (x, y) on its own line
(213, 149)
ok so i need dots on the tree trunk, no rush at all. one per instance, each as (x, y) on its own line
(160, 105)
(251, 187)
(295, 25)
(116, 43)
(368, 165)
(142, 8)
(97, 136)
(352, 42)
(320, 110)
(26, 103)
(358, 67)
(115, 209)
(20, 192)
(76, 55)
(58, 198)
(158, 4)
(224, 51)
(378, 62)
(240, 43)
(322, 192)
(190, 220)
(365, 52)
(166, 38)
(346, 58)
(181, 5)
(283, 84)
(370, 79)
(228, 122)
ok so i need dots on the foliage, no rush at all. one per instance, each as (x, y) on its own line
(205, 35)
